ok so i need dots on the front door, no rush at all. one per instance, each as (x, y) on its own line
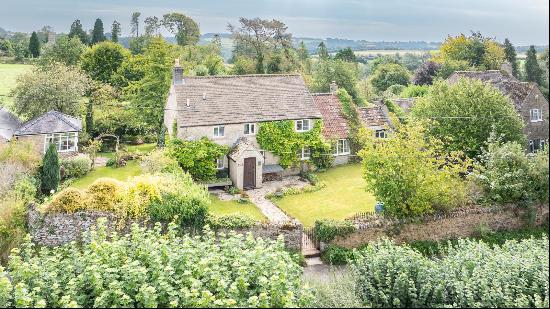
(249, 177)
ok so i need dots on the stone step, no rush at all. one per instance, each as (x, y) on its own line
(314, 261)
(311, 253)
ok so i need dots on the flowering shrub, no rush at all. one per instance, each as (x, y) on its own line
(159, 162)
(146, 268)
(75, 167)
(471, 274)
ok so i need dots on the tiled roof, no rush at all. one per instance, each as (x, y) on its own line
(373, 117)
(404, 103)
(8, 124)
(508, 85)
(334, 123)
(50, 122)
(243, 98)
(241, 146)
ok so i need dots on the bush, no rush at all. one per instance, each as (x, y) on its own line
(148, 269)
(472, 274)
(105, 194)
(69, 200)
(158, 161)
(198, 158)
(234, 221)
(75, 167)
(326, 229)
(339, 291)
(335, 255)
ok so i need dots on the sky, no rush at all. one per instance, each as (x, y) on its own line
(523, 21)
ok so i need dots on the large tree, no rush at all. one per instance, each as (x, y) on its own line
(103, 60)
(78, 31)
(425, 74)
(345, 75)
(53, 87)
(480, 52)
(390, 74)
(65, 50)
(322, 51)
(511, 56)
(134, 24)
(464, 115)
(183, 27)
(20, 44)
(533, 72)
(34, 45)
(346, 54)
(115, 31)
(259, 39)
(149, 94)
(98, 32)
(152, 25)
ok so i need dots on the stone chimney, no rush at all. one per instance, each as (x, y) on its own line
(333, 87)
(177, 76)
(506, 67)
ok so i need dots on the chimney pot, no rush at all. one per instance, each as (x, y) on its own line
(188, 102)
(204, 95)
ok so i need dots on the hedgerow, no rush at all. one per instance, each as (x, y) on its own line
(148, 268)
(326, 229)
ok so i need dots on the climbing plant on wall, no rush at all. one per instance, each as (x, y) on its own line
(281, 138)
(352, 116)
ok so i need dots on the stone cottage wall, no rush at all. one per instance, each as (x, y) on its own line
(460, 223)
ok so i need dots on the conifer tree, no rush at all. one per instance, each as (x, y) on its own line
(78, 31)
(34, 45)
(49, 173)
(97, 33)
(533, 72)
(115, 31)
(511, 56)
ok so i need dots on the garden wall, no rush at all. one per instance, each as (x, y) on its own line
(54, 229)
(459, 223)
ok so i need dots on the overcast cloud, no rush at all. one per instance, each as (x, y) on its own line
(524, 22)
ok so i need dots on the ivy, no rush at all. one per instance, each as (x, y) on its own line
(198, 158)
(352, 116)
(280, 138)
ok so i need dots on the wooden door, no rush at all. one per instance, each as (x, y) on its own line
(249, 174)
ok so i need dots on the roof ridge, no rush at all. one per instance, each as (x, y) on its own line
(244, 75)
(61, 116)
(323, 94)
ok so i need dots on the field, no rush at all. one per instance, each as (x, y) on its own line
(391, 52)
(8, 77)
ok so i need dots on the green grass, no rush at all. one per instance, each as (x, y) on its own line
(132, 168)
(344, 196)
(222, 208)
(8, 78)
(143, 148)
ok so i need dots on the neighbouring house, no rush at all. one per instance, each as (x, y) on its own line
(50, 128)
(527, 98)
(229, 110)
(404, 103)
(9, 123)
(376, 118)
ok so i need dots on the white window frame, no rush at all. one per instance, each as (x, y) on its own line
(300, 125)
(532, 143)
(342, 147)
(251, 127)
(381, 134)
(219, 129)
(62, 141)
(304, 153)
(220, 163)
(535, 114)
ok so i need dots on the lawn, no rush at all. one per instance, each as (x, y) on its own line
(143, 148)
(344, 196)
(131, 168)
(222, 208)
(8, 77)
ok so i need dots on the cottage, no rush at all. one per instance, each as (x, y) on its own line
(50, 128)
(528, 100)
(376, 118)
(9, 123)
(230, 110)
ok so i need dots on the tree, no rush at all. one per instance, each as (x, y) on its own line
(53, 87)
(411, 174)
(134, 24)
(425, 74)
(6, 49)
(49, 172)
(78, 31)
(98, 94)
(20, 44)
(152, 25)
(65, 50)
(103, 60)
(387, 75)
(149, 94)
(115, 31)
(465, 114)
(346, 54)
(479, 52)
(322, 51)
(183, 27)
(345, 75)
(34, 45)
(243, 65)
(533, 72)
(511, 56)
(97, 33)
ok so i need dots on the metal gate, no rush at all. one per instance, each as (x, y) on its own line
(309, 241)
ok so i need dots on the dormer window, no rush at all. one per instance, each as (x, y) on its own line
(535, 115)
(302, 125)
(249, 129)
(219, 131)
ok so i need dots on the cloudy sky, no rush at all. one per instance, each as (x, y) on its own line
(524, 22)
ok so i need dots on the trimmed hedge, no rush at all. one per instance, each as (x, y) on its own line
(233, 221)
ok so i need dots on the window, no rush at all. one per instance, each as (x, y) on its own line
(250, 129)
(219, 131)
(341, 147)
(302, 125)
(304, 153)
(380, 134)
(262, 152)
(220, 163)
(64, 142)
(536, 115)
(536, 145)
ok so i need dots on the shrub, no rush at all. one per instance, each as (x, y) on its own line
(339, 291)
(49, 172)
(472, 274)
(310, 177)
(105, 194)
(158, 161)
(335, 255)
(22, 153)
(198, 158)
(69, 200)
(234, 221)
(326, 229)
(146, 268)
(75, 167)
